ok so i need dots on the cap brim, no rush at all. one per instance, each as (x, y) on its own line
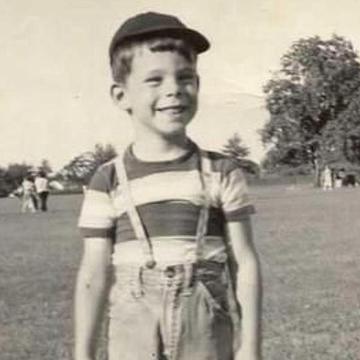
(198, 41)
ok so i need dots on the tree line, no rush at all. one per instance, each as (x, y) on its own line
(79, 170)
(12, 176)
(75, 174)
(313, 102)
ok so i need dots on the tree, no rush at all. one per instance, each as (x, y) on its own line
(45, 166)
(342, 138)
(5, 187)
(15, 173)
(307, 100)
(82, 167)
(12, 177)
(236, 149)
(103, 153)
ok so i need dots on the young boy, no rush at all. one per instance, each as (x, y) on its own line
(166, 217)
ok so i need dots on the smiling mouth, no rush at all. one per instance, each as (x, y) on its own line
(176, 109)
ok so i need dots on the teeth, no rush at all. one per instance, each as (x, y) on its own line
(176, 108)
(172, 107)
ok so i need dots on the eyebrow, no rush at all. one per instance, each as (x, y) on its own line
(160, 71)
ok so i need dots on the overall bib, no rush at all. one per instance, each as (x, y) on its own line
(172, 312)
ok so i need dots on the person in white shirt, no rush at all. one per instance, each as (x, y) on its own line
(42, 189)
(28, 195)
(327, 179)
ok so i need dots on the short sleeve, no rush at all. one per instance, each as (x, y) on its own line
(235, 199)
(97, 213)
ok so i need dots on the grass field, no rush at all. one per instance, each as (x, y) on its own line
(308, 241)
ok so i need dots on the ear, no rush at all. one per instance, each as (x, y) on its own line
(198, 82)
(119, 95)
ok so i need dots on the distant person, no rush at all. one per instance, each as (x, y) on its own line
(172, 221)
(327, 179)
(42, 189)
(28, 191)
(341, 175)
(338, 180)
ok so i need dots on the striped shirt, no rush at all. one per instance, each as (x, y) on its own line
(168, 196)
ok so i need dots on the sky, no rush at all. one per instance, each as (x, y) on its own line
(55, 78)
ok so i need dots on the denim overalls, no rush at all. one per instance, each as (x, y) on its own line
(176, 312)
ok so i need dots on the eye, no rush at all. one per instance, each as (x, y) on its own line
(187, 77)
(153, 80)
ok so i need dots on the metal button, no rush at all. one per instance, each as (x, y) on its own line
(169, 272)
(150, 264)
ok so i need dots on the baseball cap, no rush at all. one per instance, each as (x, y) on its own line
(151, 24)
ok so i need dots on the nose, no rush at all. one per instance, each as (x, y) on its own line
(172, 87)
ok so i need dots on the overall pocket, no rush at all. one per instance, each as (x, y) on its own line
(215, 294)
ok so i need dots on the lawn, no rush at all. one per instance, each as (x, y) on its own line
(307, 240)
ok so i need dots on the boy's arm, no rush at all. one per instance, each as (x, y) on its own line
(249, 288)
(91, 287)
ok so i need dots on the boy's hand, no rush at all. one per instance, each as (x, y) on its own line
(246, 354)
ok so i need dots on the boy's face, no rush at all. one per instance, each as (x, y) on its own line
(160, 92)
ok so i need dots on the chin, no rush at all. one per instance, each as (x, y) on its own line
(173, 130)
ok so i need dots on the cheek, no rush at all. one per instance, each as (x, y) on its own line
(193, 90)
(147, 94)
(194, 97)
(141, 99)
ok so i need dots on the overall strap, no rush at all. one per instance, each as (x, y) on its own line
(133, 214)
(205, 178)
(204, 173)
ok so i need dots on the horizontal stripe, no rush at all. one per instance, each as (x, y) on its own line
(96, 233)
(234, 192)
(137, 168)
(97, 210)
(239, 214)
(165, 187)
(170, 250)
(169, 219)
(105, 178)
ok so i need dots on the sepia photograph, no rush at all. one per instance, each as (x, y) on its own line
(179, 180)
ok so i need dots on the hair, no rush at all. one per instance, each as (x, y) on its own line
(123, 55)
